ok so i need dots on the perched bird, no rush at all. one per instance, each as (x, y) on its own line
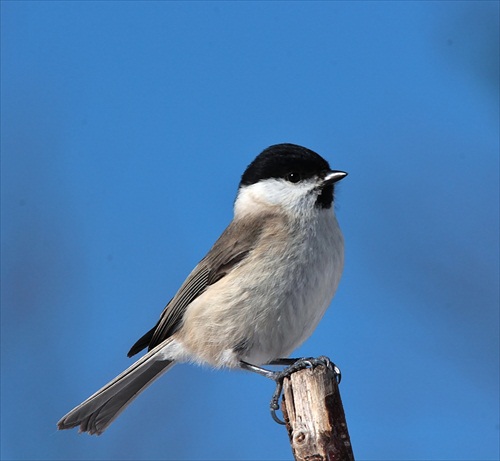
(258, 293)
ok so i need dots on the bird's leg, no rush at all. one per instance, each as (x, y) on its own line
(255, 369)
(278, 377)
(287, 361)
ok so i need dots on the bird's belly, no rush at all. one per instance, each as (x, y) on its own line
(285, 323)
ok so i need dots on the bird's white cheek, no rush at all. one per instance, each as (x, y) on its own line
(272, 193)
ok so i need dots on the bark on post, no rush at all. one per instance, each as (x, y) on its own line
(315, 417)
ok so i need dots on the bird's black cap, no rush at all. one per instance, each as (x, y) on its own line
(281, 160)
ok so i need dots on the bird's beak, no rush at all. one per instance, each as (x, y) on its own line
(333, 176)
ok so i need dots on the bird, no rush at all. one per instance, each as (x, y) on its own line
(256, 296)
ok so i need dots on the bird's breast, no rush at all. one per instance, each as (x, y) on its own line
(296, 296)
(272, 302)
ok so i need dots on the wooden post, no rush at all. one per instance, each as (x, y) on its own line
(315, 417)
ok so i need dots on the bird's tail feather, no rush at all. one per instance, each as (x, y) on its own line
(100, 409)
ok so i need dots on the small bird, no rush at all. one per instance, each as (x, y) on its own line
(257, 295)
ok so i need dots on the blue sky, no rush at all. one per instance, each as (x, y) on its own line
(125, 127)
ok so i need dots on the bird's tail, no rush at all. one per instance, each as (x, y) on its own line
(100, 409)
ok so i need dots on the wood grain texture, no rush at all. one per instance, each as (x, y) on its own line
(315, 417)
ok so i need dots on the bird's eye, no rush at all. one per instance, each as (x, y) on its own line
(293, 177)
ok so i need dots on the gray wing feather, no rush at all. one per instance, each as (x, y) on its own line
(172, 315)
(232, 247)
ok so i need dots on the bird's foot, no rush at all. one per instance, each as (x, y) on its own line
(297, 365)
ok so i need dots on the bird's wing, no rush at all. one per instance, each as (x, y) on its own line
(232, 247)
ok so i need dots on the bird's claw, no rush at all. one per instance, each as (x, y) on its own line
(275, 400)
(276, 417)
(300, 364)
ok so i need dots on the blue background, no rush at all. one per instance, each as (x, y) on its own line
(125, 129)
